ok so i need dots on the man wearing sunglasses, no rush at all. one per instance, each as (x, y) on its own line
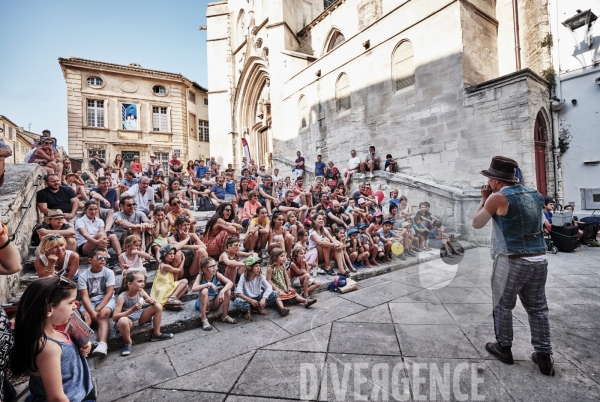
(143, 195)
(44, 156)
(129, 221)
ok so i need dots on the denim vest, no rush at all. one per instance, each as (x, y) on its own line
(520, 230)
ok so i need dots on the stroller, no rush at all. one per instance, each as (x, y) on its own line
(549, 243)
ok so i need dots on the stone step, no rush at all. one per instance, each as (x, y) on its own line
(189, 317)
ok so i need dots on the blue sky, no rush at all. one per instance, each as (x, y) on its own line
(161, 35)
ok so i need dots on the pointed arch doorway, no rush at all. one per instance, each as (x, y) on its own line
(540, 144)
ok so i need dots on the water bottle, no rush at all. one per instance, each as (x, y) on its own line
(314, 271)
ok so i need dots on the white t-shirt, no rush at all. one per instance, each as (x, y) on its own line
(156, 164)
(209, 182)
(92, 228)
(143, 201)
(276, 178)
(96, 283)
(354, 162)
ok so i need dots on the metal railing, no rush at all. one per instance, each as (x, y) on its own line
(14, 233)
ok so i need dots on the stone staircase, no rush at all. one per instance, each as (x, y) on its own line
(189, 317)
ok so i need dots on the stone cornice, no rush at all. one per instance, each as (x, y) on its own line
(524, 73)
(120, 68)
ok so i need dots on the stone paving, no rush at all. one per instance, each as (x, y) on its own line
(414, 334)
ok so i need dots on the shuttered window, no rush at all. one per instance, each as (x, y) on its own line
(159, 119)
(303, 110)
(95, 113)
(203, 130)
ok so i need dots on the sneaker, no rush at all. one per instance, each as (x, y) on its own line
(320, 271)
(367, 264)
(361, 176)
(100, 350)
(362, 265)
(265, 254)
(371, 175)
(162, 337)
(374, 262)
(126, 350)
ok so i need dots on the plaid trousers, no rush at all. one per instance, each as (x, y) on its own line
(516, 276)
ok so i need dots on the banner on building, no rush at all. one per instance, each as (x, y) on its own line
(246, 149)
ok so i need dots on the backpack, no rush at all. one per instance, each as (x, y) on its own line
(204, 204)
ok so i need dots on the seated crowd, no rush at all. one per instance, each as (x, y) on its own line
(145, 215)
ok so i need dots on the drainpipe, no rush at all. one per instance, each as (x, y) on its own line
(517, 40)
(555, 60)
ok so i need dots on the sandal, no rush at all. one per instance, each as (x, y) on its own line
(228, 320)
(309, 302)
(206, 325)
(331, 272)
(260, 310)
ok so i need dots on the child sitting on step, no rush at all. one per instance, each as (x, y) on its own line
(96, 287)
(209, 296)
(131, 259)
(300, 273)
(160, 231)
(253, 292)
(165, 289)
(129, 313)
(280, 281)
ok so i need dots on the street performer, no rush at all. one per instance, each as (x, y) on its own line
(520, 263)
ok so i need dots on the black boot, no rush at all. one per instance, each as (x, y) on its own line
(544, 362)
(502, 354)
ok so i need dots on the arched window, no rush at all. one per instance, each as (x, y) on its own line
(342, 93)
(241, 28)
(403, 66)
(540, 144)
(303, 110)
(335, 40)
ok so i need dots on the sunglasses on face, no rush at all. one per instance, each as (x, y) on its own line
(131, 205)
(102, 257)
(175, 203)
(227, 210)
(53, 237)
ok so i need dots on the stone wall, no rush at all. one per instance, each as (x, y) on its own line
(534, 26)
(18, 188)
(454, 206)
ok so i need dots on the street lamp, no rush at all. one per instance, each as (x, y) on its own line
(582, 19)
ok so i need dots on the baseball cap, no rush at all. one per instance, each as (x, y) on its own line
(361, 201)
(340, 281)
(361, 225)
(389, 220)
(377, 213)
(250, 261)
(165, 250)
(352, 231)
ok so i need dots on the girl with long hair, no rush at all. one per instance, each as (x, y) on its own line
(118, 166)
(165, 285)
(160, 231)
(219, 228)
(209, 296)
(56, 364)
(278, 235)
(129, 313)
(280, 281)
(242, 197)
(321, 246)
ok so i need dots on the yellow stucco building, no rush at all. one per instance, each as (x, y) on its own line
(133, 111)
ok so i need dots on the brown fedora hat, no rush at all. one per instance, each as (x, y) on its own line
(502, 168)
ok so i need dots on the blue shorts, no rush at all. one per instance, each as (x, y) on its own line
(111, 304)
